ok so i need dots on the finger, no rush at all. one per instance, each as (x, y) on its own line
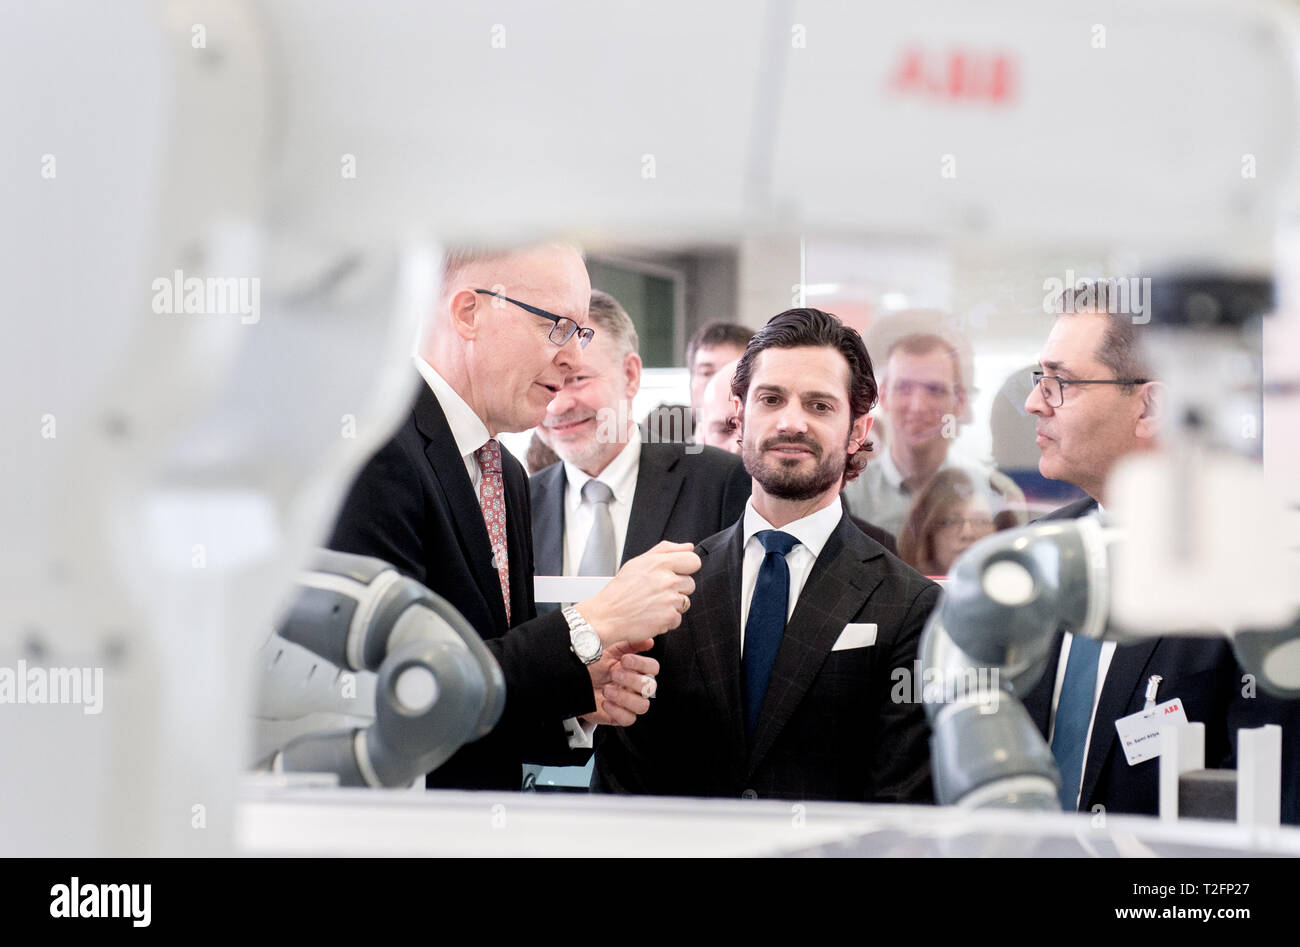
(683, 563)
(619, 649)
(639, 665)
(684, 584)
(598, 715)
(614, 712)
(624, 699)
(645, 644)
(643, 684)
(665, 546)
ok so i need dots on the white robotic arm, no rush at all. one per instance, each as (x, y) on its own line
(438, 686)
(1005, 598)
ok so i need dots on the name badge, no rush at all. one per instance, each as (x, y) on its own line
(1139, 733)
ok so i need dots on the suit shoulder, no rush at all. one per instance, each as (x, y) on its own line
(546, 480)
(715, 459)
(693, 457)
(910, 589)
(1071, 511)
(397, 461)
(712, 545)
(905, 574)
(907, 581)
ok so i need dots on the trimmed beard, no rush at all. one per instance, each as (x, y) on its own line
(782, 480)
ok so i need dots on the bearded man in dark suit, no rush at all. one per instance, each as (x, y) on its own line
(779, 681)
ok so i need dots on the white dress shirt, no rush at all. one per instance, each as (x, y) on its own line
(1103, 665)
(812, 532)
(470, 433)
(620, 475)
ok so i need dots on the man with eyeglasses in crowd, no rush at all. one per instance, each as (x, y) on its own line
(447, 505)
(1095, 404)
(922, 396)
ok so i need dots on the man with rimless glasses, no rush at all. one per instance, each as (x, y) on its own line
(447, 505)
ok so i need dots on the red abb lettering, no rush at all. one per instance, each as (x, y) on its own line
(957, 74)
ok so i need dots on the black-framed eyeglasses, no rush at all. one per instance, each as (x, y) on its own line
(1053, 388)
(564, 328)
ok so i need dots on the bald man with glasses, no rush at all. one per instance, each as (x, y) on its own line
(447, 505)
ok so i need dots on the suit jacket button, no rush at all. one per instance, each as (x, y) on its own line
(749, 794)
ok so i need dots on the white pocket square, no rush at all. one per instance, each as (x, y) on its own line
(856, 636)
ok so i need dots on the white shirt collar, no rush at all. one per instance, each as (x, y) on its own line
(619, 475)
(812, 531)
(469, 432)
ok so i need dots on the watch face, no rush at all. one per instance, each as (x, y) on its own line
(586, 644)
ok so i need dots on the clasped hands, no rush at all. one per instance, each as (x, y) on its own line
(646, 598)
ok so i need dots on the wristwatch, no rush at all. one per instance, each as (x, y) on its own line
(582, 637)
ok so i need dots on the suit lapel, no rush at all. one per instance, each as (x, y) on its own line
(459, 499)
(1122, 677)
(658, 483)
(835, 593)
(548, 521)
(715, 628)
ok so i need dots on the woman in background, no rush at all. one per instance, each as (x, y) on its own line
(947, 517)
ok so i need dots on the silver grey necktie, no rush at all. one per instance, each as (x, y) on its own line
(599, 557)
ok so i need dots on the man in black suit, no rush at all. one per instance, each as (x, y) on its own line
(674, 491)
(1096, 405)
(778, 682)
(446, 505)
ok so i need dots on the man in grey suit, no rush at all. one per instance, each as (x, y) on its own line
(615, 495)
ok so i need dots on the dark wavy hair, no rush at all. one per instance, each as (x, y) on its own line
(803, 328)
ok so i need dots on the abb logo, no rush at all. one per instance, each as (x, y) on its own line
(956, 75)
(1171, 709)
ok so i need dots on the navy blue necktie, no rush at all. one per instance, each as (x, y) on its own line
(766, 622)
(1073, 714)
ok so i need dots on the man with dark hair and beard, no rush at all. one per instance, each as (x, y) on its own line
(790, 675)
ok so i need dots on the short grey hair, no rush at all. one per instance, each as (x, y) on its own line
(1120, 349)
(607, 316)
(459, 258)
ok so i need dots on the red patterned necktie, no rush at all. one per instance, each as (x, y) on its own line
(491, 494)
